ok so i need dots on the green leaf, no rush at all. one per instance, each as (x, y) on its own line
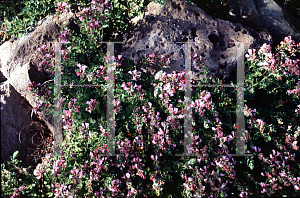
(16, 153)
(191, 161)
(49, 194)
(205, 125)
(250, 164)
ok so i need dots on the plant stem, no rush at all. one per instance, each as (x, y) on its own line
(46, 82)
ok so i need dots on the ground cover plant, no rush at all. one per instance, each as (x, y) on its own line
(149, 131)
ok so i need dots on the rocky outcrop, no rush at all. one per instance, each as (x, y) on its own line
(161, 28)
(18, 63)
(267, 15)
(15, 124)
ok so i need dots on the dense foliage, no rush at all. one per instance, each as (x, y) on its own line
(149, 115)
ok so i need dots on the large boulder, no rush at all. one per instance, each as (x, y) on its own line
(15, 124)
(19, 61)
(268, 15)
(161, 28)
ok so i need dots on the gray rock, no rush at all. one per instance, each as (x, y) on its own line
(159, 30)
(18, 64)
(262, 15)
(15, 125)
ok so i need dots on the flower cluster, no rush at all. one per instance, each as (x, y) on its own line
(202, 104)
(269, 59)
(124, 146)
(38, 172)
(16, 194)
(157, 183)
(87, 13)
(265, 49)
(58, 166)
(135, 74)
(152, 58)
(60, 190)
(288, 138)
(197, 59)
(298, 110)
(114, 186)
(117, 106)
(221, 168)
(295, 91)
(260, 124)
(101, 73)
(76, 109)
(65, 36)
(61, 7)
(288, 44)
(67, 119)
(93, 24)
(44, 64)
(248, 111)
(279, 61)
(81, 71)
(292, 66)
(44, 51)
(251, 55)
(91, 104)
(165, 58)
(40, 102)
(76, 174)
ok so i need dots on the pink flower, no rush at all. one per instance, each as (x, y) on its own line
(260, 122)
(263, 191)
(152, 55)
(152, 157)
(265, 49)
(21, 188)
(282, 174)
(15, 195)
(38, 172)
(84, 67)
(219, 164)
(91, 104)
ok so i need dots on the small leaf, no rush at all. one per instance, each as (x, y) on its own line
(16, 153)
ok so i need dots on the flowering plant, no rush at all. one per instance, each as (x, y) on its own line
(150, 131)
